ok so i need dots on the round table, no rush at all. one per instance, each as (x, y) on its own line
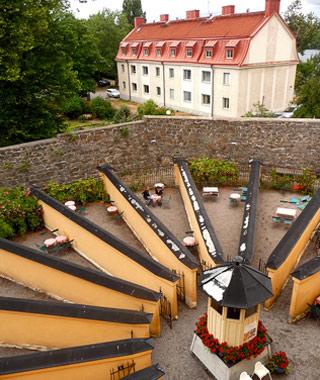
(61, 239)
(70, 203)
(72, 207)
(160, 185)
(235, 196)
(50, 242)
(189, 241)
(112, 210)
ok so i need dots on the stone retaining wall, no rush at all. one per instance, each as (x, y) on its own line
(153, 141)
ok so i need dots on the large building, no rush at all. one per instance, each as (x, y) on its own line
(214, 66)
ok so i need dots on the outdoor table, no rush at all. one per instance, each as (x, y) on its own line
(189, 241)
(61, 239)
(50, 242)
(210, 191)
(112, 210)
(234, 197)
(70, 203)
(287, 213)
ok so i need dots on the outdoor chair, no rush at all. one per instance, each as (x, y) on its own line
(166, 201)
(244, 376)
(261, 371)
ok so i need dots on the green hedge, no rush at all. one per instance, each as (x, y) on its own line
(208, 171)
(19, 212)
(82, 191)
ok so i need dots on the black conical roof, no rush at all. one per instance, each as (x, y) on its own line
(235, 284)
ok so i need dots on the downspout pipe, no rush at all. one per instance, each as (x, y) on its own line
(212, 90)
(129, 83)
(164, 85)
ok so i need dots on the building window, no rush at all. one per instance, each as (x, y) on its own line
(187, 96)
(208, 53)
(171, 73)
(205, 99)
(186, 74)
(206, 76)
(134, 87)
(158, 91)
(157, 71)
(124, 85)
(134, 51)
(146, 89)
(133, 69)
(229, 53)
(214, 304)
(123, 50)
(145, 52)
(226, 79)
(225, 103)
(172, 52)
(158, 52)
(189, 52)
(145, 70)
(233, 313)
(122, 68)
(171, 93)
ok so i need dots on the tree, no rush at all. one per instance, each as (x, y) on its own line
(306, 27)
(308, 88)
(132, 9)
(109, 28)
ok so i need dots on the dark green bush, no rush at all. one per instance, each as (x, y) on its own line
(207, 171)
(73, 107)
(150, 108)
(102, 108)
(122, 115)
(82, 191)
(307, 181)
(281, 182)
(19, 212)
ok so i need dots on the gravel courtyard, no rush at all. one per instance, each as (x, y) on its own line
(299, 340)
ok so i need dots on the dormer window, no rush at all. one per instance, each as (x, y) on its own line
(189, 52)
(134, 51)
(145, 52)
(229, 53)
(208, 53)
(146, 48)
(123, 50)
(124, 46)
(158, 52)
(172, 52)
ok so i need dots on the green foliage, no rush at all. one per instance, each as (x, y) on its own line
(150, 108)
(308, 88)
(109, 28)
(259, 110)
(214, 172)
(19, 212)
(306, 27)
(122, 115)
(281, 182)
(307, 181)
(102, 108)
(132, 9)
(73, 107)
(124, 132)
(82, 191)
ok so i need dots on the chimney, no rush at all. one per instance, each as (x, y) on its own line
(164, 18)
(272, 6)
(138, 21)
(193, 14)
(228, 10)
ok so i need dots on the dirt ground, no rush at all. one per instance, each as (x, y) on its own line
(300, 340)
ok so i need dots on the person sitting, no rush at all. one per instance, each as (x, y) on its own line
(158, 191)
(146, 195)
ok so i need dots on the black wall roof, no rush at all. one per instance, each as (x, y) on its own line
(307, 269)
(247, 237)
(131, 252)
(87, 274)
(154, 223)
(74, 310)
(150, 373)
(286, 244)
(200, 213)
(73, 355)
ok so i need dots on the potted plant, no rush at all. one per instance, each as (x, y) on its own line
(278, 363)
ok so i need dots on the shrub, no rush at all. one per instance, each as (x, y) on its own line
(307, 181)
(122, 115)
(259, 110)
(82, 191)
(214, 172)
(102, 108)
(19, 212)
(280, 181)
(73, 107)
(150, 108)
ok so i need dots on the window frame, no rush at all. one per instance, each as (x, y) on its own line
(171, 93)
(158, 52)
(226, 103)
(202, 98)
(226, 82)
(184, 97)
(133, 69)
(122, 68)
(158, 91)
(145, 52)
(145, 70)
(171, 70)
(185, 76)
(124, 51)
(202, 76)
(124, 85)
(173, 52)
(208, 50)
(189, 52)
(229, 50)
(158, 71)
(144, 89)
(134, 87)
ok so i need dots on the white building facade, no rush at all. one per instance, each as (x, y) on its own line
(217, 67)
